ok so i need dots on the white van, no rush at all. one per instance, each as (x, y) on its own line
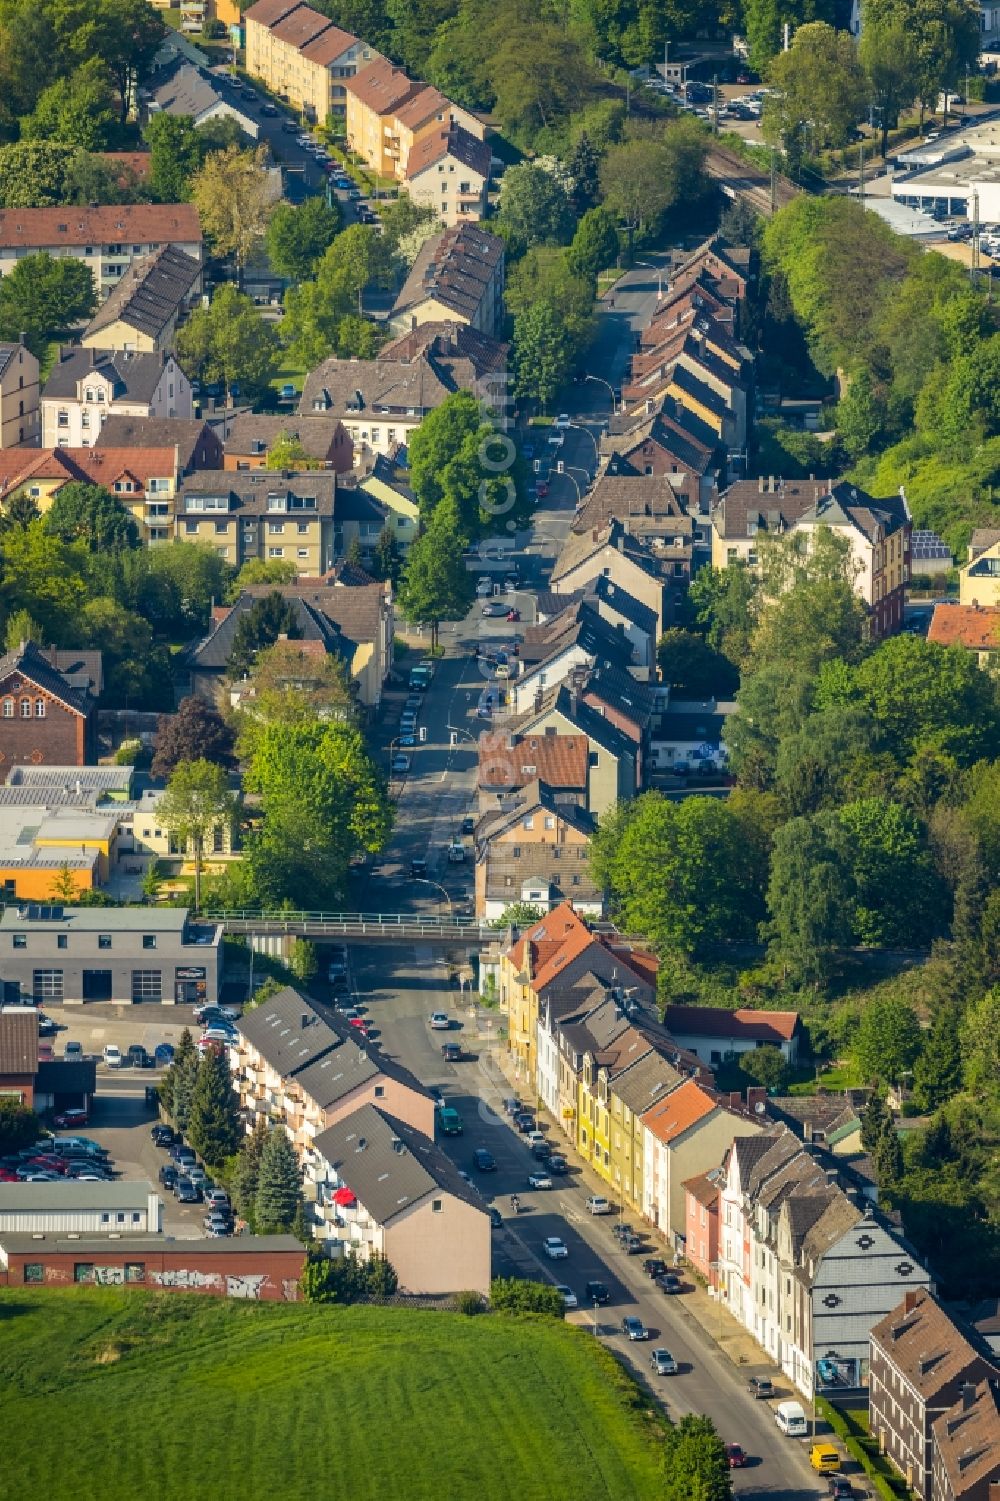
(791, 1419)
(598, 1204)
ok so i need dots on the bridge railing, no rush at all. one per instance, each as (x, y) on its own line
(349, 922)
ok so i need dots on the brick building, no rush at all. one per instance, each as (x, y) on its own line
(967, 1447)
(48, 714)
(260, 1268)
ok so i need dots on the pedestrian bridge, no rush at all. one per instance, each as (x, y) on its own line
(371, 927)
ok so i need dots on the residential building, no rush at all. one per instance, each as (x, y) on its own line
(75, 1208)
(752, 508)
(48, 712)
(979, 580)
(387, 486)
(270, 514)
(671, 442)
(508, 763)
(126, 955)
(144, 479)
(701, 1225)
(106, 237)
(142, 312)
(612, 552)
(576, 638)
(464, 358)
(967, 1447)
(303, 57)
(261, 1268)
(26, 1076)
(975, 627)
(389, 1191)
(535, 849)
(308, 1072)
(921, 1361)
(808, 1265)
(197, 444)
(686, 1133)
(198, 96)
(719, 1036)
(19, 413)
(690, 736)
(658, 509)
(325, 441)
(611, 754)
(633, 1092)
(457, 276)
(388, 115)
(86, 386)
(449, 170)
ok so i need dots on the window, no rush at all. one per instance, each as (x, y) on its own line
(136, 1219)
(8, 708)
(221, 528)
(39, 708)
(147, 985)
(34, 1271)
(62, 941)
(529, 822)
(276, 527)
(302, 552)
(190, 527)
(149, 940)
(47, 984)
(88, 395)
(550, 822)
(593, 759)
(379, 1091)
(276, 552)
(20, 940)
(104, 940)
(83, 1271)
(302, 527)
(85, 422)
(135, 1271)
(437, 1205)
(26, 708)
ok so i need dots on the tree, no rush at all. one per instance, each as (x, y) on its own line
(177, 1089)
(887, 1040)
(214, 1127)
(291, 686)
(534, 208)
(259, 627)
(77, 110)
(436, 584)
(274, 571)
(595, 244)
(692, 668)
(645, 176)
(980, 1037)
(91, 514)
(302, 960)
(228, 341)
(288, 452)
(819, 86)
(19, 1126)
(299, 234)
(937, 1073)
(387, 560)
(64, 887)
(196, 802)
(544, 354)
(809, 897)
(43, 575)
(959, 401)
(583, 170)
(128, 37)
(197, 732)
(695, 1462)
(898, 895)
(347, 1278)
(175, 156)
(232, 194)
(766, 1066)
(516, 1295)
(944, 36)
(279, 1185)
(722, 602)
(518, 915)
(538, 74)
(247, 1169)
(320, 315)
(764, 19)
(828, 754)
(876, 1118)
(888, 55)
(43, 296)
(456, 456)
(36, 174)
(888, 1159)
(861, 415)
(19, 510)
(21, 627)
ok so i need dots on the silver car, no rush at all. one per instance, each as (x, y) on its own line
(663, 1363)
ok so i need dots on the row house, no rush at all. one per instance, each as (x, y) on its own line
(979, 579)
(48, 707)
(669, 441)
(20, 420)
(385, 1190)
(86, 386)
(535, 850)
(686, 1133)
(921, 1363)
(107, 238)
(321, 436)
(808, 1265)
(306, 1072)
(457, 276)
(143, 311)
(380, 403)
(613, 552)
(301, 56)
(612, 772)
(389, 116)
(967, 1446)
(448, 170)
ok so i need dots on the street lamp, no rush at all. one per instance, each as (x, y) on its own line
(659, 276)
(602, 382)
(580, 428)
(561, 469)
(425, 881)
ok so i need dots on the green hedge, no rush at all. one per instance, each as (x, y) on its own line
(864, 1449)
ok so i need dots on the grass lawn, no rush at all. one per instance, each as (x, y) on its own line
(290, 371)
(115, 1395)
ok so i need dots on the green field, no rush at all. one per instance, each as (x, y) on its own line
(132, 1395)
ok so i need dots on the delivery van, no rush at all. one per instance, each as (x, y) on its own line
(791, 1419)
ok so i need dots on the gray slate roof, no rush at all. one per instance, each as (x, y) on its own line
(17, 1197)
(454, 268)
(215, 650)
(27, 660)
(150, 294)
(189, 91)
(288, 1032)
(389, 1165)
(100, 919)
(134, 377)
(253, 433)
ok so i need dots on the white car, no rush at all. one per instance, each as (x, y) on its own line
(112, 1055)
(598, 1204)
(484, 586)
(554, 1248)
(456, 852)
(539, 1180)
(557, 438)
(568, 1295)
(440, 1021)
(563, 420)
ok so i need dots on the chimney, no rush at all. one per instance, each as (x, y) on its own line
(22, 338)
(770, 484)
(910, 1300)
(968, 1396)
(760, 484)
(735, 1100)
(756, 1096)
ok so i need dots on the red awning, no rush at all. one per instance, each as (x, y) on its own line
(344, 1197)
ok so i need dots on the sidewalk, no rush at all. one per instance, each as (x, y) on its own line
(716, 1323)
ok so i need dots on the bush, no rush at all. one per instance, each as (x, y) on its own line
(513, 1295)
(128, 753)
(470, 1303)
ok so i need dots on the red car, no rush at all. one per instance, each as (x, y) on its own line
(70, 1118)
(737, 1459)
(6, 1176)
(50, 1164)
(360, 1023)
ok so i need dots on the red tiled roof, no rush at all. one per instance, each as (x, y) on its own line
(300, 27)
(328, 46)
(967, 1440)
(714, 1021)
(973, 626)
(266, 12)
(683, 1108)
(18, 1042)
(559, 760)
(98, 466)
(702, 1187)
(926, 1346)
(108, 224)
(451, 140)
(380, 86)
(130, 161)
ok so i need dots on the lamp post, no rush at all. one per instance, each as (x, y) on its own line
(561, 469)
(659, 277)
(580, 428)
(602, 382)
(426, 881)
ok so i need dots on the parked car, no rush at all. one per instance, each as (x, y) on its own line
(633, 1328)
(217, 1225)
(162, 1135)
(112, 1055)
(596, 1292)
(492, 608)
(542, 1150)
(337, 966)
(557, 1164)
(483, 1161)
(524, 1122)
(654, 1266)
(75, 1117)
(440, 1021)
(840, 1488)
(554, 1248)
(484, 586)
(828, 1373)
(562, 421)
(218, 1199)
(450, 1121)
(163, 1054)
(512, 1106)
(569, 1297)
(181, 1153)
(73, 1050)
(668, 1282)
(735, 1455)
(539, 1179)
(598, 1204)
(137, 1057)
(451, 1052)
(187, 1192)
(824, 1457)
(535, 1138)
(760, 1386)
(400, 765)
(663, 1363)
(209, 1011)
(169, 1174)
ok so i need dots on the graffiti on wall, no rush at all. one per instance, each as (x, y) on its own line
(110, 1276)
(246, 1286)
(181, 1280)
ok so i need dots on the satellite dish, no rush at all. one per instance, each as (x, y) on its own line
(760, 1107)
